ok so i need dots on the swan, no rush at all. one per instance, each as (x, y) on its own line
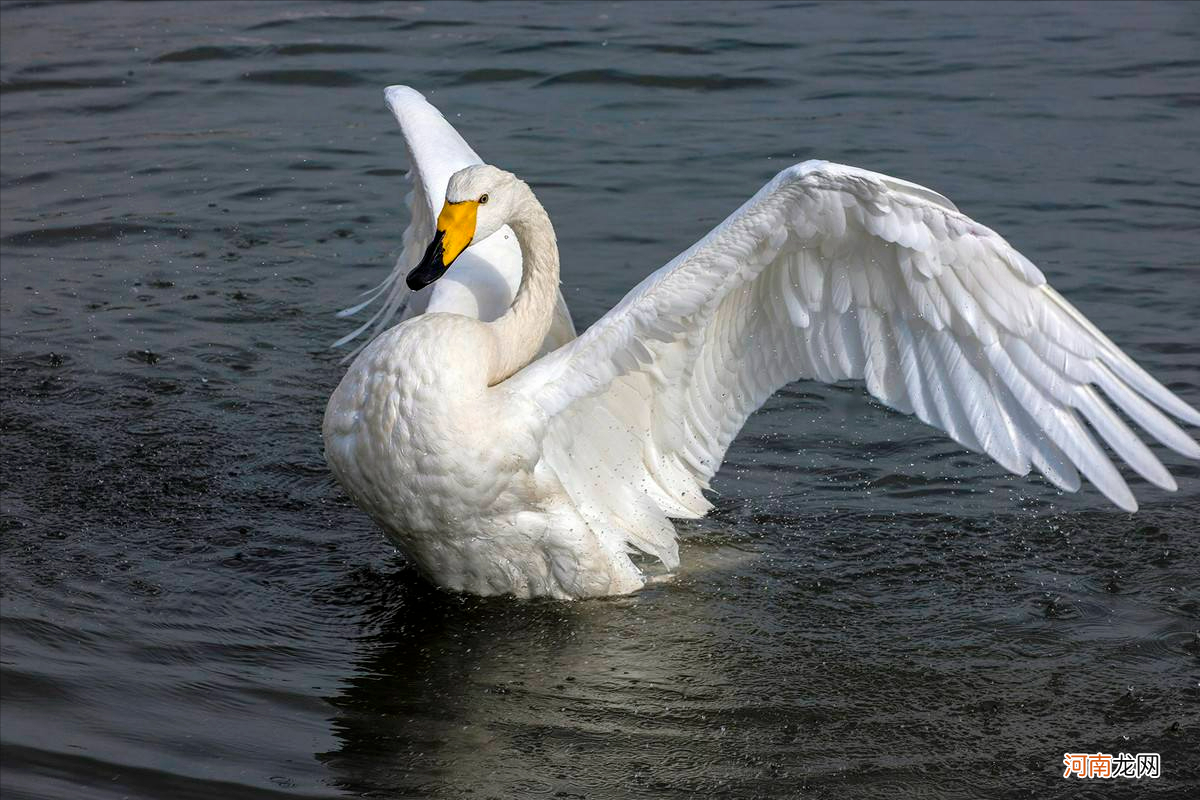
(502, 471)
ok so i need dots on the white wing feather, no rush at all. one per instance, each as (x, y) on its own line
(484, 279)
(833, 273)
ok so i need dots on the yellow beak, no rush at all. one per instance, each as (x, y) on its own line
(456, 224)
(455, 230)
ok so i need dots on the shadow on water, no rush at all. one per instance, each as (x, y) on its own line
(461, 693)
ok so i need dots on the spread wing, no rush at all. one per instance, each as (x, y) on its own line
(485, 278)
(832, 273)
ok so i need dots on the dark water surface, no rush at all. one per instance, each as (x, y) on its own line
(192, 608)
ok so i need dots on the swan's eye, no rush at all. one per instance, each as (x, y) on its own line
(483, 198)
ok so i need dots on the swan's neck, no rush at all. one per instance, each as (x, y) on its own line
(520, 332)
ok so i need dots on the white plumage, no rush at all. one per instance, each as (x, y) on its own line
(501, 473)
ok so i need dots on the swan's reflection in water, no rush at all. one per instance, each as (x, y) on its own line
(463, 696)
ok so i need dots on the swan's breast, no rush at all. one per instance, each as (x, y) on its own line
(415, 435)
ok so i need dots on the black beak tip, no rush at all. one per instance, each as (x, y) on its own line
(416, 282)
(431, 267)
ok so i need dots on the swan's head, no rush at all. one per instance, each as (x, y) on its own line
(479, 200)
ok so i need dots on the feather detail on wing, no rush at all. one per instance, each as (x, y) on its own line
(834, 273)
(485, 278)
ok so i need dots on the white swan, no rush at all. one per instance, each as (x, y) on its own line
(499, 473)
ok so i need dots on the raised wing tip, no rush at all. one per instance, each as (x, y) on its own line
(398, 93)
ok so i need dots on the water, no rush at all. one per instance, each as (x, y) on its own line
(192, 608)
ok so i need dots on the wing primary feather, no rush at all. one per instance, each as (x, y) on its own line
(1124, 366)
(1145, 414)
(1062, 426)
